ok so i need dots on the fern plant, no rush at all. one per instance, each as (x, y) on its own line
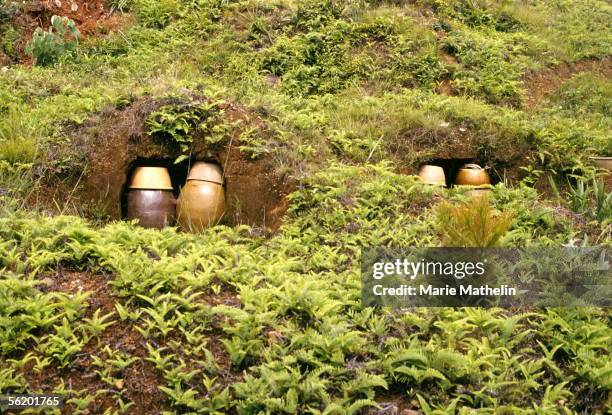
(179, 123)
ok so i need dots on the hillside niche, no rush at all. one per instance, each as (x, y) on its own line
(116, 143)
(451, 167)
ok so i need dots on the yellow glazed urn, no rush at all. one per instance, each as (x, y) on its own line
(602, 162)
(432, 175)
(201, 203)
(472, 175)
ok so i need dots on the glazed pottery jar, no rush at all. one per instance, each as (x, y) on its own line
(479, 191)
(201, 203)
(432, 175)
(150, 198)
(472, 175)
(602, 162)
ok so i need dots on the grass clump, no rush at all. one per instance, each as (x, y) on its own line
(473, 224)
(590, 199)
(316, 63)
(18, 150)
(10, 36)
(8, 8)
(156, 14)
(585, 94)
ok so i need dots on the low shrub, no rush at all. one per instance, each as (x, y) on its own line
(8, 8)
(586, 94)
(319, 62)
(9, 36)
(47, 46)
(314, 14)
(178, 123)
(488, 71)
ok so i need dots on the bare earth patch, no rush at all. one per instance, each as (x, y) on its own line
(541, 83)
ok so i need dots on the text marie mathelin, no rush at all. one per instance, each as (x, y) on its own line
(430, 290)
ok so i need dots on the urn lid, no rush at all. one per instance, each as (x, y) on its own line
(207, 172)
(152, 178)
(472, 166)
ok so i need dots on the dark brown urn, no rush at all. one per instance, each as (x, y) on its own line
(150, 198)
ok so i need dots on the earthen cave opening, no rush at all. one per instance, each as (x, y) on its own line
(451, 167)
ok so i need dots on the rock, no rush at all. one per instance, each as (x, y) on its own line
(4, 61)
(48, 281)
(272, 79)
(275, 335)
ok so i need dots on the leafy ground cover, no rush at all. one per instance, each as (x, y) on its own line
(353, 96)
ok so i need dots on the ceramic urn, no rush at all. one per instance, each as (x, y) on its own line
(432, 175)
(201, 203)
(150, 198)
(472, 175)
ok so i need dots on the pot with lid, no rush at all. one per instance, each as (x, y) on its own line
(479, 191)
(431, 174)
(150, 198)
(602, 162)
(472, 175)
(201, 203)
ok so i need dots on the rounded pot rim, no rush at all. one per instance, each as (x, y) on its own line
(150, 188)
(193, 179)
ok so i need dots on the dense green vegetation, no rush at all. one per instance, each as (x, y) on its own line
(233, 322)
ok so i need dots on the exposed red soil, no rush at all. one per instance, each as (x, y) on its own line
(395, 402)
(139, 382)
(92, 17)
(4, 60)
(443, 143)
(113, 141)
(539, 84)
(223, 298)
(72, 282)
